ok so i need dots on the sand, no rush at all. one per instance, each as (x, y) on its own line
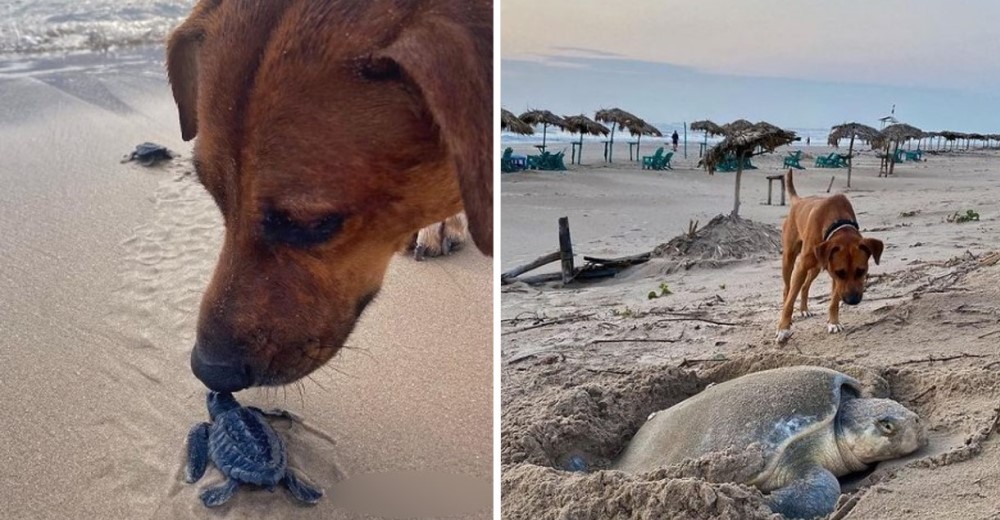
(583, 366)
(101, 270)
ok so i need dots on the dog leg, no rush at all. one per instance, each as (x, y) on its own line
(785, 324)
(788, 257)
(833, 325)
(804, 305)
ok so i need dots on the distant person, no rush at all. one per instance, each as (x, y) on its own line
(675, 138)
(807, 140)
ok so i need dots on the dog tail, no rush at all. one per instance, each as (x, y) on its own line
(790, 186)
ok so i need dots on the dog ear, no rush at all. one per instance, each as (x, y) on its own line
(873, 247)
(824, 252)
(182, 67)
(452, 66)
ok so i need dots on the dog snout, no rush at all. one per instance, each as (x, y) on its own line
(218, 364)
(852, 298)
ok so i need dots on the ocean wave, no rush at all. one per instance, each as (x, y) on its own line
(37, 26)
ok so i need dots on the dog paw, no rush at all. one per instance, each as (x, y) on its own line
(440, 239)
(834, 328)
(805, 314)
(782, 336)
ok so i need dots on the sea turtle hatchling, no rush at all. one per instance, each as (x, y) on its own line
(245, 448)
(148, 154)
(811, 423)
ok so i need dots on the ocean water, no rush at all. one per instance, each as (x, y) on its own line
(41, 26)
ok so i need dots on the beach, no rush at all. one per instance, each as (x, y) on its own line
(584, 365)
(102, 266)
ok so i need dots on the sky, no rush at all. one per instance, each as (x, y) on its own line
(796, 63)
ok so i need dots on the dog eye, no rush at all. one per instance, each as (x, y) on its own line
(279, 228)
(841, 273)
(380, 69)
(860, 273)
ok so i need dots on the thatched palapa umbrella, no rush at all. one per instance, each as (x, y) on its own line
(895, 134)
(617, 118)
(544, 118)
(742, 145)
(639, 128)
(510, 122)
(852, 130)
(584, 125)
(734, 127)
(709, 128)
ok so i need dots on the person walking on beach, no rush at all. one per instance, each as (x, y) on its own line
(674, 138)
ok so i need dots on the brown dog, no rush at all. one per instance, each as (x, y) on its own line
(821, 233)
(329, 131)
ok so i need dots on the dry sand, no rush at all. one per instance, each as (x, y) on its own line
(583, 366)
(101, 270)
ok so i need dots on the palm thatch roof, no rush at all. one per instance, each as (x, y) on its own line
(848, 130)
(510, 122)
(951, 136)
(707, 126)
(737, 126)
(898, 132)
(582, 124)
(542, 117)
(615, 115)
(743, 144)
(977, 137)
(640, 127)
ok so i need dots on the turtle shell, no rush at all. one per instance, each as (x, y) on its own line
(245, 447)
(772, 408)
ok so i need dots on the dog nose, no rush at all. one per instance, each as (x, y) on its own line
(852, 299)
(220, 372)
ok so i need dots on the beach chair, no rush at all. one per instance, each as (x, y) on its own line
(916, 155)
(649, 161)
(899, 157)
(533, 161)
(827, 161)
(665, 163)
(507, 161)
(549, 161)
(792, 160)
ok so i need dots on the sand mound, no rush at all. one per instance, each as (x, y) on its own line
(725, 237)
(569, 424)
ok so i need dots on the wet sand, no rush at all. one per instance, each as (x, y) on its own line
(101, 270)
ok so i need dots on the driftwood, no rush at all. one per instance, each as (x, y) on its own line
(509, 276)
(566, 251)
(595, 268)
(623, 261)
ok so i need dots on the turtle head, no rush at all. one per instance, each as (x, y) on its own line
(870, 430)
(220, 402)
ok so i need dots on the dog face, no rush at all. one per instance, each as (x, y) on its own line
(846, 257)
(328, 132)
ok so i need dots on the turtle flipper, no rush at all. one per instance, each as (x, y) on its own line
(197, 442)
(216, 496)
(813, 494)
(301, 490)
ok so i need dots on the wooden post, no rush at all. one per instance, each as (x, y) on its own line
(739, 175)
(565, 250)
(850, 160)
(685, 140)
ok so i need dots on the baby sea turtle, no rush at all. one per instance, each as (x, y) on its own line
(811, 422)
(245, 448)
(148, 154)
